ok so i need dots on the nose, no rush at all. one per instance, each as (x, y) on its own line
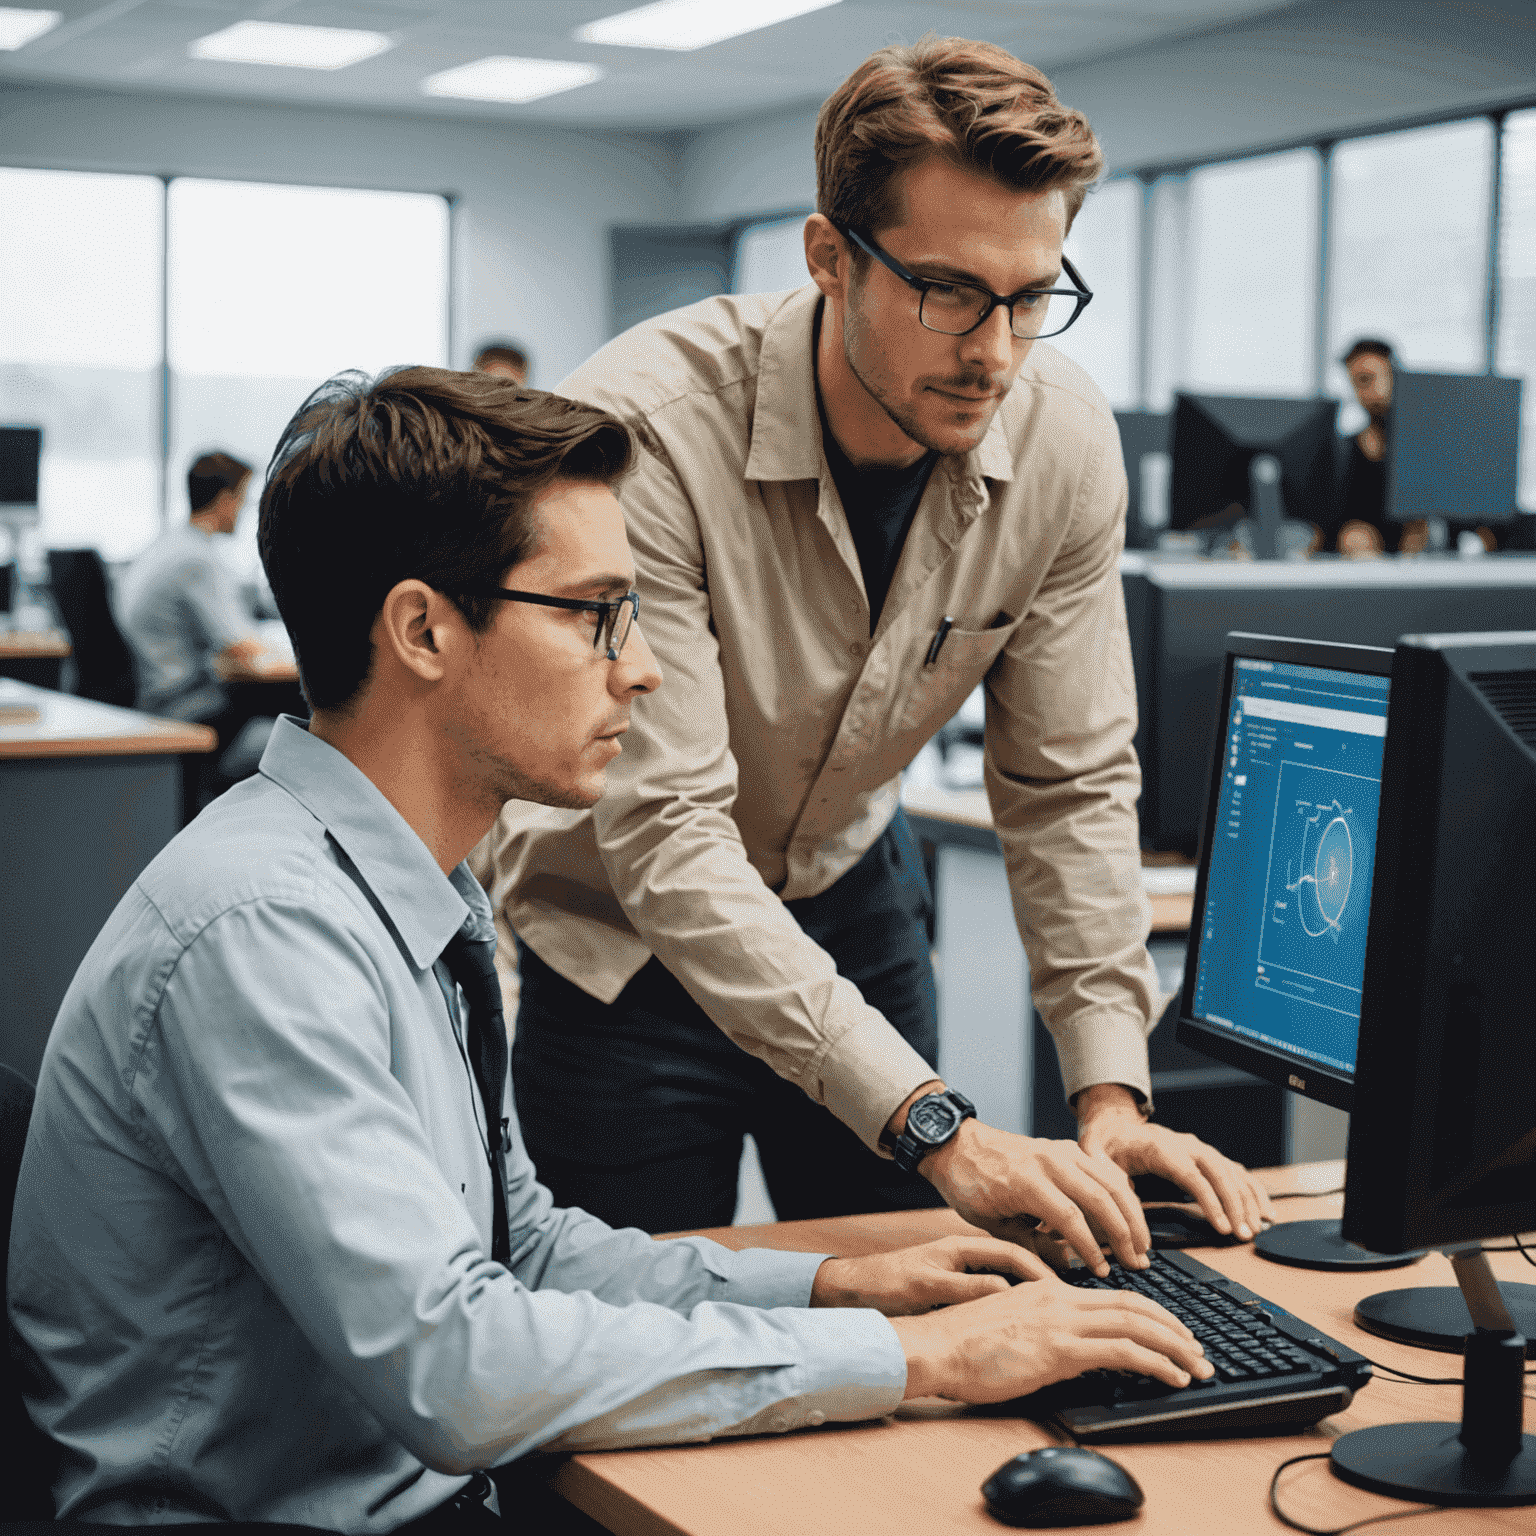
(636, 670)
(989, 348)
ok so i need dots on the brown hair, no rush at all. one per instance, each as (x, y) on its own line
(973, 103)
(212, 473)
(1368, 346)
(420, 472)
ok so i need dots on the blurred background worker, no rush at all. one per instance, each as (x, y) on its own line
(503, 358)
(181, 612)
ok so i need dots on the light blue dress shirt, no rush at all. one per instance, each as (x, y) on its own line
(250, 1248)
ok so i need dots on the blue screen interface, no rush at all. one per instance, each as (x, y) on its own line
(1281, 957)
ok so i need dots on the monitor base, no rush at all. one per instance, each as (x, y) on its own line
(1428, 1463)
(1321, 1245)
(1436, 1316)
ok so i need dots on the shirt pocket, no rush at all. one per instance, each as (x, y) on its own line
(937, 691)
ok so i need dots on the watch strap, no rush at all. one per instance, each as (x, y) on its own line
(909, 1150)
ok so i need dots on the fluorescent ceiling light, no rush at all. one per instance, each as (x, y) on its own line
(296, 47)
(501, 78)
(686, 24)
(18, 28)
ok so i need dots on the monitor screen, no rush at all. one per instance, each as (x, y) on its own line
(1277, 953)
(20, 450)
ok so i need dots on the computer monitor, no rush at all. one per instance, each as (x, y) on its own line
(1142, 433)
(1455, 447)
(1442, 1142)
(21, 451)
(1219, 445)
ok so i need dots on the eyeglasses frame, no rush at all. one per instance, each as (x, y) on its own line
(1082, 293)
(608, 608)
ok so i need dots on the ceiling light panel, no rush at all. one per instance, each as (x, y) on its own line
(289, 45)
(501, 78)
(18, 28)
(689, 24)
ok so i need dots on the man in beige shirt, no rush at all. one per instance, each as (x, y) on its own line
(853, 504)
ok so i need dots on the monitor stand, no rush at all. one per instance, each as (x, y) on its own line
(1322, 1245)
(1437, 1316)
(1486, 1462)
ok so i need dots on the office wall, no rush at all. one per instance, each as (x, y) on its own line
(1324, 67)
(532, 249)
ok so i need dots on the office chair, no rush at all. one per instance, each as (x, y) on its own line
(103, 661)
(26, 1496)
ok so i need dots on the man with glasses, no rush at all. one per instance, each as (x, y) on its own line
(855, 503)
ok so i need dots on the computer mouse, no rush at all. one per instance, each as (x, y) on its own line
(1173, 1226)
(1062, 1485)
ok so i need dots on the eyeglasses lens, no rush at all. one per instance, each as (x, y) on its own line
(955, 309)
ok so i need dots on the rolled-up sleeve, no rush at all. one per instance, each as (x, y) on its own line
(267, 1091)
(1063, 781)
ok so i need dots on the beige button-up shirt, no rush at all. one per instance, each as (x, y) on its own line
(769, 760)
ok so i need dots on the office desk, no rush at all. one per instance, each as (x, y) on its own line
(90, 794)
(921, 1469)
(34, 656)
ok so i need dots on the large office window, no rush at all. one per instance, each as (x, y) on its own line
(272, 289)
(1104, 246)
(1408, 246)
(1250, 276)
(1516, 350)
(80, 340)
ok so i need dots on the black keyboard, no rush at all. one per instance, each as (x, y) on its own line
(1273, 1371)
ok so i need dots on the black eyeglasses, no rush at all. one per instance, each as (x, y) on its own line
(956, 309)
(615, 619)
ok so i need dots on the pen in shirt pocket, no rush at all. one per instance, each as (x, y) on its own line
(945, 626)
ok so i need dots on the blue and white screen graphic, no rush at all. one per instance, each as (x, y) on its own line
(1288, 895)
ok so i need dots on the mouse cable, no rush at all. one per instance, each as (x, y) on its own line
(1428, 1381)
(1336, 1530)
(1308, 1194)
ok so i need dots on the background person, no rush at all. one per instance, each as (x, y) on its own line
(504, 359)
(855, 503)
(181, 612)
(244, 1283)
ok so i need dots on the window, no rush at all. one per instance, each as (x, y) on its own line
(1104, 246)
(273, 289)
(1250, 276)
(80, 341)
(1516, 350)
(1408, 247)
(771, 257)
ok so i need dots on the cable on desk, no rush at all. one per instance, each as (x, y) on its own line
(1337, 1530)
(1308, 1194)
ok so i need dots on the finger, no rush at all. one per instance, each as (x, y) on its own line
(980, 1253)
(1228, 1179)
(947, 1290)
(1162, 1335)
(1126, 1355)
(1094, 1186)
(1266, 1204)
(1195, 1184)
(1113, 1308)
(1119, 1185)
(1058, 1212)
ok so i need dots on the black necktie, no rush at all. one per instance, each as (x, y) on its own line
(472, 964)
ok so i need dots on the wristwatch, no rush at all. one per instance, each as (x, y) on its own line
(931, 1122)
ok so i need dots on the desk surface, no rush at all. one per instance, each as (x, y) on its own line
(37, 722)
(25, 644)
(968, 808)
(921, 1469)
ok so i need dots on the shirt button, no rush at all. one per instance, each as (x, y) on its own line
(815, 1416)
(858, 647)
(778, 1423)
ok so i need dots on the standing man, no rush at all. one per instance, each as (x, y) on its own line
(854, 503)
(504, 359)
(242, 1283)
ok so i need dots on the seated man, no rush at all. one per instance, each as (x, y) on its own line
(245, 1284)
(181, 614)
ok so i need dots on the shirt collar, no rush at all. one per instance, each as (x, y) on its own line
(426, 907)
(786, 425)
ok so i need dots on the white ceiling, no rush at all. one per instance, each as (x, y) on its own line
(141, 45)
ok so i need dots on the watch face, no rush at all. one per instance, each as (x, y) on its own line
(933, 1120)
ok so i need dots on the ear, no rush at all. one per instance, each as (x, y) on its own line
(420, 628)
(827, 256)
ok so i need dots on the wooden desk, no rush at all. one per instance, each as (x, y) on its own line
(34, 656)
(91, 793)
(922, 1468)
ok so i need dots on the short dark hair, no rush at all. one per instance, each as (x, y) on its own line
(502, 352)
(212, 473)
(1368, 346)
(971, 103)
(420, 472)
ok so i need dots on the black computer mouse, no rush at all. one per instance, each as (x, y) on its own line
(1061, 1485)
(1172, 1226)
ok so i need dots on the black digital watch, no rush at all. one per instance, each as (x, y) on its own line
(931, 1122)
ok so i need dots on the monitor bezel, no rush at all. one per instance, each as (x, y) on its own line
(1313, 1081)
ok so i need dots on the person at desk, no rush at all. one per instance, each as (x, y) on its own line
(855, 502)
(244, 1284)
(1361, 526)
(182, 615)
(504, 359)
